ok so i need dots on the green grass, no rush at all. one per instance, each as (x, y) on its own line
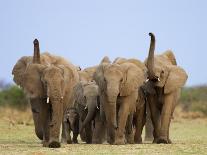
(189, 137)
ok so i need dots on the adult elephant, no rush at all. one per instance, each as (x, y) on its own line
(165, 80)
(46, 79)
(118, 86)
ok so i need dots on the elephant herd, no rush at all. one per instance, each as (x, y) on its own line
(103, 103)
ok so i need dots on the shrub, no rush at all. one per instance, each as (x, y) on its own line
(14, 97)
(194, 99)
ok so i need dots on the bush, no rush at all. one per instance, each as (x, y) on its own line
(14, 97)
(194, 99)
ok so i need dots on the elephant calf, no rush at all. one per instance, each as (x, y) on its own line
(71, 123)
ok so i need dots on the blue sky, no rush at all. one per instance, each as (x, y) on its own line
(83, 31)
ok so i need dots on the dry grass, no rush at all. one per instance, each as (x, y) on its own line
(17, 137)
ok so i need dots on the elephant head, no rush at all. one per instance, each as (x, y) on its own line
(27, 73)
(72, 117)
(163, 71)
(87, 96)
(116, 80)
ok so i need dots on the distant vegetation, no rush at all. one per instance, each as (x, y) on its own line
(13, 96)
(193, 99)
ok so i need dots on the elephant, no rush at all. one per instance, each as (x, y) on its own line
(87, 102)
(163, 88)
(138, 118)
(46, 79)
(71, 123)
(118, 86)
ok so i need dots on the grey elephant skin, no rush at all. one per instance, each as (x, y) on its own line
(48, 82)
(86, 95)
(119, 83)
(163, 87)
(71, 123)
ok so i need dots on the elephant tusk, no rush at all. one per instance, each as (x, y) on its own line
(146, 80)
(48, 99)
(97, 107)
(158, 79)
(61, 97)
(85, 107)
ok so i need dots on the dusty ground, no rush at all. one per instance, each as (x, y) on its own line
(17, 137)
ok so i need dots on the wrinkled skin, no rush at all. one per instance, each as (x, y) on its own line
(163, 88)
(87, 103)
(118, 86)
(43, 77)
(71, 121)
(148, 125)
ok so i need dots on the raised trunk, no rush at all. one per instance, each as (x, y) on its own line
(91, 105)
(150, 60)
(36, 56)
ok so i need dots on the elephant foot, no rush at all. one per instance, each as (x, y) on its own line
(169, 141)
(120, 141)
(69, 142)
(45, 143)
(96, 141)
(130, 138)
(162, 141)
(110, 140)
(138, 141)
(148, 139)
(54, 144)
(75, 141)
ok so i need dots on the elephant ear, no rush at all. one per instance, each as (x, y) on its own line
(19, 69)
(176, 79)
(133, 79)
(99, 77)
(78, 93)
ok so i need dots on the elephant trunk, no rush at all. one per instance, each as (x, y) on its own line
(91, 106)
(36, 56)
(150, 60)
(56, 112)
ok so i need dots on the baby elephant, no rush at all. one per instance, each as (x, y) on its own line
(71, 123)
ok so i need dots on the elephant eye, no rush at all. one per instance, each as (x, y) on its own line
(121, 80)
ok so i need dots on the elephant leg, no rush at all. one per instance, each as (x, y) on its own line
(155, 116)
(38, 125)
(75, 138)
(148, 126)
(66, 132)
(166, 118)
(36, 108)
(99, 131)
(139, 124)
(65, 129)
(129, 135)
(110, 114)
(88, 131)
(45, 110)
(55, 124)
(122, 118)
